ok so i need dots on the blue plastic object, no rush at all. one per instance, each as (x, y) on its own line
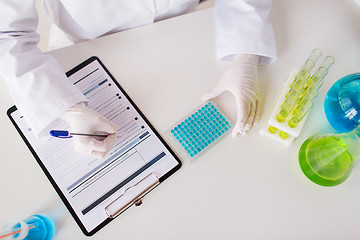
(198, 131)
(60, 134)
(44, 228)
(342, 103)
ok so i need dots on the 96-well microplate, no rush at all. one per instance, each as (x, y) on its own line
(200, 130)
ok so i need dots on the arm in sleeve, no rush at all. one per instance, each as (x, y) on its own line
(242, 26)
(38, 85)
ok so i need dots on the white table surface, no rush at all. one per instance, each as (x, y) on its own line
(249, 187)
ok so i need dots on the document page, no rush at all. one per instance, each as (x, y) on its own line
(89, 184)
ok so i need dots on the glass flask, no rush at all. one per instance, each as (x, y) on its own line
(328, 159)
(342, 103)
(35, 227)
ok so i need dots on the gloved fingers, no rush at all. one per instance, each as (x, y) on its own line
(93, 146)
(109, 142)
(251, 118)
(102, 146)
(236, 129)
(258, 111)
(107, 126)
(216, 91)
(243, 110)
(96, 154)
(83, 119)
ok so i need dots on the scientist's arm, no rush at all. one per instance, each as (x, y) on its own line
(245, 37)
(38, 85)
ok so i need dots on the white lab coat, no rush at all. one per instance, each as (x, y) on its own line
(39, 86)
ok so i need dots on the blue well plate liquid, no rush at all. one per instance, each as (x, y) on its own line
(200, 130)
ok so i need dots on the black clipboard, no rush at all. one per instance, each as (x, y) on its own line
(136, 185)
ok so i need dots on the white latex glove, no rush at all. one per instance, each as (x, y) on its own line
(85, 120)
(241, 80)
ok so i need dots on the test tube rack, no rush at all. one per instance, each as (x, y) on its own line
(284, 134)
(296, 99)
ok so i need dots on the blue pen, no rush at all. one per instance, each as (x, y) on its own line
(67, 134)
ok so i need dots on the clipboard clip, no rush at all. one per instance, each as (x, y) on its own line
(132, 195)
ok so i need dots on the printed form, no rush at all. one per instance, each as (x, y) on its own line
(89, 184)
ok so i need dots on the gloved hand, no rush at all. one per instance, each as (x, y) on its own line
(85, 120)
(241, 80)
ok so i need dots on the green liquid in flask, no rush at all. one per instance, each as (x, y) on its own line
(325, 160)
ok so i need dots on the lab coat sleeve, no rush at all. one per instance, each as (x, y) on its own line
(243, 26)
(38, 85)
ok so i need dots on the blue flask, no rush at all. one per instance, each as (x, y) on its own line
(35, 227)
(342, 103)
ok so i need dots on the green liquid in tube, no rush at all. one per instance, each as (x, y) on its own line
(281, 117)
(272, 129)
(293, 122)
(283, 134)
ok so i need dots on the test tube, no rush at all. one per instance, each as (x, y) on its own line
(313, 85)
(272, 129)
(320, 72)
(304, 72)
(306, 101)
(308, 98)
(283, 135)
(310, 92)
(287, 106)
(297, 86)
(328, 62)
(299, 115)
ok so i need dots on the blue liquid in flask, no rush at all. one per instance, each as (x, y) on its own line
(342, 103)
(43, 228)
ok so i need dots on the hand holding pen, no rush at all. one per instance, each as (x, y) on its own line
(67, 134)
(86, 124)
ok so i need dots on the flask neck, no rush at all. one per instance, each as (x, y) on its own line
(352, 140)
(357, 132)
